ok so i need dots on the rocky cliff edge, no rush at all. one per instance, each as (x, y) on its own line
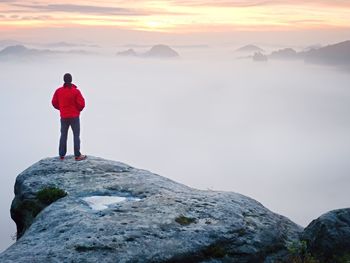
(111, 212)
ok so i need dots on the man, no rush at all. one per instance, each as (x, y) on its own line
(70, 102)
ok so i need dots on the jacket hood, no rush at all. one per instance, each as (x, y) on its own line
(71, 86)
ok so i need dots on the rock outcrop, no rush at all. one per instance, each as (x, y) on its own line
(250, 49)
(337, 54)
(127, 53)
(286, 53)
(113, 212)
(20, 51)
(328, 237)
(161, 51)
(157, 51)
(259, 57)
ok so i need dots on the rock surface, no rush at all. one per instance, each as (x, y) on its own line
(328, 237)
(161, 221)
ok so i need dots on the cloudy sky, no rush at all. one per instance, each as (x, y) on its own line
(177, 16)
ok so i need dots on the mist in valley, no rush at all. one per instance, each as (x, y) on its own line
(278, 131)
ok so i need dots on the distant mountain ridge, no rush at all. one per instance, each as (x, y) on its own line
(128, 53)
(286, 53)
(332, 54)
(335, 54)
(20, 50)
(157, 51)
(195, 46)
(250, 48)
(23, 51)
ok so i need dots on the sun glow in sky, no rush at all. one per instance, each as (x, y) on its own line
(177, 15)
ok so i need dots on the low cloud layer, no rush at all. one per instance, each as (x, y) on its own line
(275, 131)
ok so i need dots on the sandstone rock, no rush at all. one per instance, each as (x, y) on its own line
(154, 220)
(328, 237)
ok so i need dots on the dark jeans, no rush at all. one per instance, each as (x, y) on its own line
(75, 124)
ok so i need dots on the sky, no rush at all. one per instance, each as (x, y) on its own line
(175, 17)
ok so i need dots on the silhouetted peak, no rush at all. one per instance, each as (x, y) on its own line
(285, 53)
(258, 56)
(129, 52)
(250, 48)
(15, 49)
(157, 51)
(337, 54)
(161, 51)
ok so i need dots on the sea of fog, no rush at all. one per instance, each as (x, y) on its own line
(278, 132)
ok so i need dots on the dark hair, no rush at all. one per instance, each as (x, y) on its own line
(67, 79)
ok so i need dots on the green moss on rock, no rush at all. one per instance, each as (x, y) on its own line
(183, 220)
(214, 251)
(24, 211)
(49, 195)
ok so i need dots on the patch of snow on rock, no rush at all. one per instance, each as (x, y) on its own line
(102, 202)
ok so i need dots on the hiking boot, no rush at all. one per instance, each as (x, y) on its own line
(80, 158)
(61, 158)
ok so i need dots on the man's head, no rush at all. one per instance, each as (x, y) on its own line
(67, 78)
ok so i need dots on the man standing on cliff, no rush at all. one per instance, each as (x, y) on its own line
(70, 102)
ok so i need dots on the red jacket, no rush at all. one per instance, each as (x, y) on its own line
(69, 101)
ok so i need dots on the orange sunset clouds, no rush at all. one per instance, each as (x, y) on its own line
(177, 15)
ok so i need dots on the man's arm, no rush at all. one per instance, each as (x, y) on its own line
(55, 101)
(79, 99)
